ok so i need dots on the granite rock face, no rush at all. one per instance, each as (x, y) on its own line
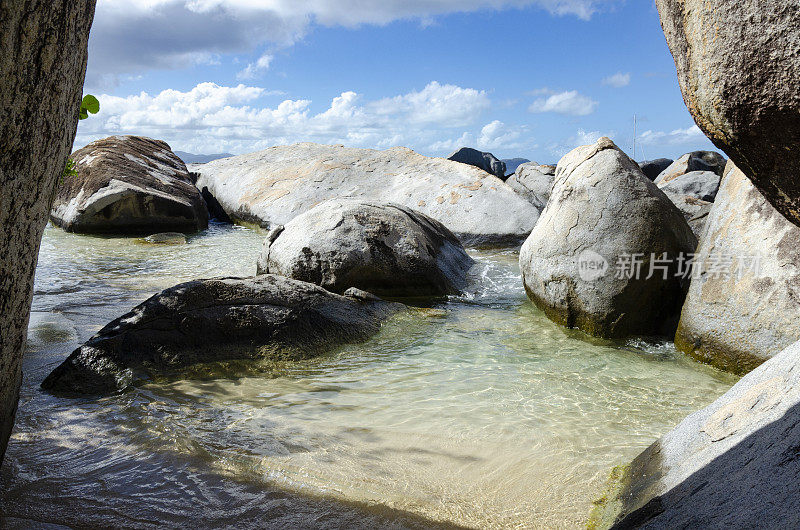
(693, 193)
(128, 185)
(737, 66)
(534, 182)
(745, 307)
(223, 319)
(272, 187)
(691, 162)
(603, 212)
(733, 464)
(386, 249)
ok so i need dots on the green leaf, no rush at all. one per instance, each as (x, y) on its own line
(91, 104)
(83, 114)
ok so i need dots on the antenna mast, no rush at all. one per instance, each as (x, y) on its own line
(634, 136)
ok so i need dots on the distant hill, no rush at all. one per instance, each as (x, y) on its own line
(513, 163)
(191, 158)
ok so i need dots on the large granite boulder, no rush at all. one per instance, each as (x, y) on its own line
(386, 249)
(223, 319)
(653, 168)
(274, 186)
(485, 161)
(737, 66)
(605, 214)
(702, 185)
(693, 194)
(691, 162)
(534, 182)
(128, 185)
(733, 464)
(743, 305)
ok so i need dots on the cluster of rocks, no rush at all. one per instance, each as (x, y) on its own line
(734, 463)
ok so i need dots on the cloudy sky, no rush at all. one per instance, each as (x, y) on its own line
(520, 78)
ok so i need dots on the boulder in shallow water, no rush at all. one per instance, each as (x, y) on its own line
(745, 306)
(737, 65)
(274, 186)
(128, 185)
(534, 182)
(695, 161)
(485, 161)
(733, 464)
(386, 249)
(166, 238)
(653, 168)
(223, 319)
(587, 262)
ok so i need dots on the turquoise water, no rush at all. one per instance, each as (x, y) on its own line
(478, 412)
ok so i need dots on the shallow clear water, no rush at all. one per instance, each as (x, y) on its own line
(478, 412)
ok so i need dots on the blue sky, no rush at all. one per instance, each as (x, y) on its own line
(521, 78)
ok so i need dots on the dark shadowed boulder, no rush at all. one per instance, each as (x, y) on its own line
(733, 464)
(653, 168)
(745, 306)
(223, 319)
(737, 66)
(485, 161)
(386, 249)
(534, 182)
(690, 162)
(128, 185)
(587, 263)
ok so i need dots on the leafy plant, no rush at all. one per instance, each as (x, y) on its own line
(89, 105)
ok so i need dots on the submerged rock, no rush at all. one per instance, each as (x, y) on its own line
(733, 464)
(166, 238)
(745, 307)
(274, 186)
(534, 182)
(692, 162)
(128, 185)
(605, 214)
(737, 66)
(223, 319)
(653, 168)
(386, 249)
(485, 161)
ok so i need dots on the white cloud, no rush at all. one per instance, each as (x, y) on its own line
(134, 36)
(581, 137)
(254, 69)
(618, 80)
(213, 118)
(692, 134)
(571, 103)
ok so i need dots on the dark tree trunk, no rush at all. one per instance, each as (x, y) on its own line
(42, 67)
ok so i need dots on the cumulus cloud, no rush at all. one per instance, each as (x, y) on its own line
(571, 103)
(134, 36)
(691, 134)
(253, 69)
(213, 118)
(581, 137)
(618, 80)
